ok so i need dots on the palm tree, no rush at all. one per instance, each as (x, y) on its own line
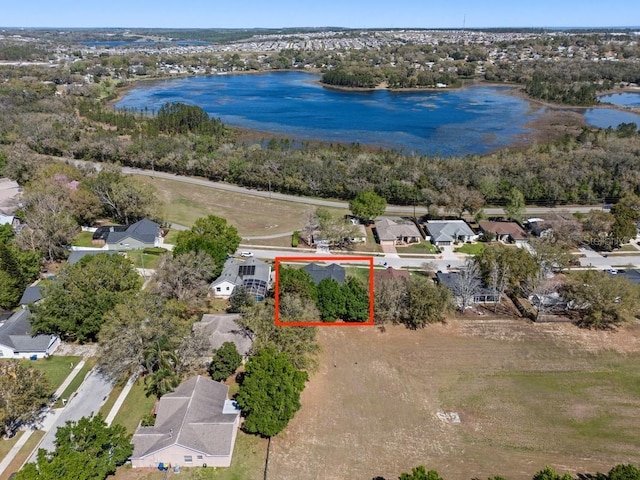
(160, 356)
(161, 382)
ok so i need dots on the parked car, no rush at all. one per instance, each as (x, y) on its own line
(246, 254)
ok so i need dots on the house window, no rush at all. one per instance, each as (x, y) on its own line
(217, 289)
(188, 459)
(227, 289)
(199, 457)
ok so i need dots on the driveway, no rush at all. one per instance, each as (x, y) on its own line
(87, 401)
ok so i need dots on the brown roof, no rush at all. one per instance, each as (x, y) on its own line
(512, 229)
(391, 274)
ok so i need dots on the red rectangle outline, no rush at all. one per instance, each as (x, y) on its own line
(368, 323)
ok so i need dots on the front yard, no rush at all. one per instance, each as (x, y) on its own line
(471, 248)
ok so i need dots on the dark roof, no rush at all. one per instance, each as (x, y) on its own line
(103, 232)
(76, 255)
(145, 231)
(391, 273)
(31, 294)
(193, 417)
(320, 272)
(632, 275)
(449, 281)
(15, 333)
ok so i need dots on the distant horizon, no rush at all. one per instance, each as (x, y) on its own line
(352, 14)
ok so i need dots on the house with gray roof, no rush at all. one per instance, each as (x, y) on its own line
(483, 294)
(142, 234)
(447, 232)
(253, 274)
(220, 328)
(320, 272)
(397, 232)
(16, 340)
(195, 426)
(31, 294)
(76, 255)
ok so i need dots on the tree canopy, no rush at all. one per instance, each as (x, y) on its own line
(74, 303)
(225, 361)
(269, 395)
(85, 450)
(24, 391)
(602, 300)
(211, 235)
(368, 205)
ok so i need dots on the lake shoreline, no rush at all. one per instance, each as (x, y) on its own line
(551, 121)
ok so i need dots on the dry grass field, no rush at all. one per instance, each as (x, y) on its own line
(252, 216)
(526, 395)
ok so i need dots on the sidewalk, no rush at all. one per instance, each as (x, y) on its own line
(47, 421)
(121, 398)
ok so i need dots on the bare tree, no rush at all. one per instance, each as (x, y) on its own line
(390, 298)
(467, 284)
(184, 277)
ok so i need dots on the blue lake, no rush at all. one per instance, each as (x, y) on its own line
(473, 120)
(625, 99)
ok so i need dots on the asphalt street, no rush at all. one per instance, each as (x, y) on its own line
(87, 401)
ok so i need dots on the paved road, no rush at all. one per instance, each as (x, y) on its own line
(87, 401)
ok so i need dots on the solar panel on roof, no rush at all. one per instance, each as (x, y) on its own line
(246, 270)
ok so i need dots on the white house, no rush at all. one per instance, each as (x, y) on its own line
(16, 340)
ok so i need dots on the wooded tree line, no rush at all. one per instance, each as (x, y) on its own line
(587, 168)
(619, 472)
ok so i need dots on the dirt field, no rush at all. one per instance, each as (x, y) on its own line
(526, 395)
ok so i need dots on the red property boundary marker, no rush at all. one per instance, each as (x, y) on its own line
(322, 259)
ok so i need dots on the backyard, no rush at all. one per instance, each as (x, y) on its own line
(526, 396)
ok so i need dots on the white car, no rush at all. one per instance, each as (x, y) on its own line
(246, 254)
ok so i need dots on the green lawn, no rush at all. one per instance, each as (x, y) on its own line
(360, 273)
(423, 247)
(55, 368)
(77, 381)
(23, 454)
(171, 236)
(83, 240)
(7, 444)
(135, 406)
(143, 260)
(471, 248)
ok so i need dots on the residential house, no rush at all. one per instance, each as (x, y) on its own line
(632, 275)
(16, 340)
(397, 232)
(9, 220)
(448, 232)
(389, 274)
(537, 227)
(142, 234)
(195, 426)
(320, 272)
(221, 328)
(482, 295)
(31, 294)
(76, 255)
(504, 231)
(253, 274)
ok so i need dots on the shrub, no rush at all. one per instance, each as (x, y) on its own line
(154, 250)
(295, 238)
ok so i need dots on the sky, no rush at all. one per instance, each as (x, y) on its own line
(319, 13)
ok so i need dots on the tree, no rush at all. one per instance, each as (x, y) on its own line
(331, 300)
(123, 198)
(294, 308)
(550, 255)
(336, 230)
(624, 226)
(299, 343)
(296, 281)
(420, 473)
(368, 205)
(426, 302)
(74, 303)
(514, 208)
(161, 382)
(131, 327)
(601, 299)
(624, 472)
(504, 267)
(225, 361)
(212, 236)
(240, 299)
(184, 277)
(85, 450)
(356, 301)
(550, 474)
(467, 283)
(596, 226)
(24, 391)
(269, 395)
(390, 296)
